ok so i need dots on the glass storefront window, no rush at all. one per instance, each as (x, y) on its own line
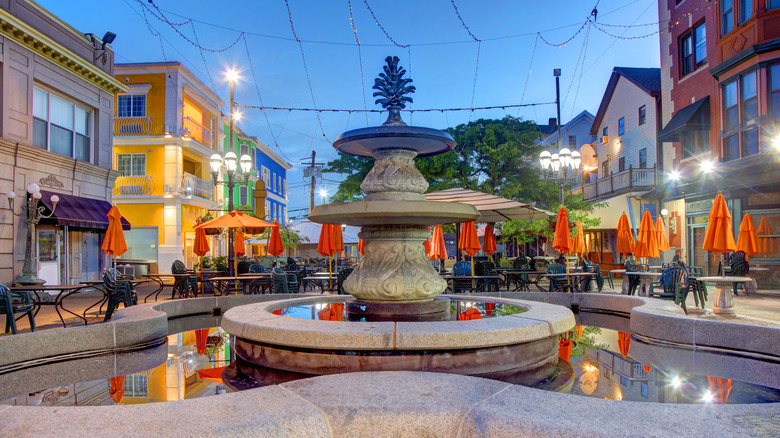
(141, 244)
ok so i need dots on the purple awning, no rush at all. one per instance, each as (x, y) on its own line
(78, 212)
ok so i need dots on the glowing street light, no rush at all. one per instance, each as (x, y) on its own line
(707, 166)
(323, 193)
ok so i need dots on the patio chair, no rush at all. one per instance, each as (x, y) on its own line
(342, 276)
(256, 269)
(184, 286)
(279, 281)
(486, 268)
(242, 267)
(13, 303)
(739, 268)
(556, 283)
(461, 268)
(674, 282)
(120, 291)
(633, 280)
(599, 277)
(519, 262)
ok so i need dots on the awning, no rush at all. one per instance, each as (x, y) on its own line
(693, 116)
(78, 212)
(492, 208)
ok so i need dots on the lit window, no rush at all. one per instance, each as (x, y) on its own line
(605, 135)
(61, 126)
(131, 105)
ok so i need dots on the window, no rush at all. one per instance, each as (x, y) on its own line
(745, 10)
(573, 141)
(244, 150)
(243, 195)
(60, 126)
(774, 89)
(700, 42)
(267, 209)
(694, 141)
(136, 386)
(281, 192)
(131, 164)
(605, 135)
(730, 107)
(693, 49)
(131, 105)
(740, 113)
(605, 168)
(643, 158)
(772, 4)
(621, 126)
(621, 164)
(731, 147)
(642, 115)
(749, 97)
(266, 176)
(644, 389)
(686, 55)
(273, 181)
(726, 16)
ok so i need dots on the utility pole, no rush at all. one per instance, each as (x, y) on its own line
(557, 74)
(313, 181)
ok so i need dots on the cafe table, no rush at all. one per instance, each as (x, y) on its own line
(751, 286)
(724, 287)
(323, 280)
(160, 280)
(645, 281)
(478, 282)
(249, 282)
(576, 280)
(624, 288)
(517, 274)
(44, 296)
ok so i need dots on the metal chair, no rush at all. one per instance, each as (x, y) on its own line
(556, 283)
(739, 268)
(485, 268)
(279, 281)
(256, 269)
(674, 282)
(461, 268)
(633, 280)
(13, 303)
(120, 291)
(341, 278)
(184, 286)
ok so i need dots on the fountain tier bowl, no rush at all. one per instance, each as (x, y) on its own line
(361, 213)
(524, 344)
(364, 142)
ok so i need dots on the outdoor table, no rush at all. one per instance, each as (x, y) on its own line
(517, 274)
(724, 301)
(624, 288)
(751, 286)
(63, 291)
(475, 280)
(321, 280)
(100, 286)
(251, 282)
(159, 279)
(645, 281)
(577, 279)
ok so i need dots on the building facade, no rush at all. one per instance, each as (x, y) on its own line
(720, 64)
(57, 102)
(166, 129)
(272, 169)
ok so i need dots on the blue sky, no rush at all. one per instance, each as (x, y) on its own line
(441, 58)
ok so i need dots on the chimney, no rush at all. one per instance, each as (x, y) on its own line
(552, 121)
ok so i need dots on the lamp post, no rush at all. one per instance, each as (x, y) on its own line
(32, 214)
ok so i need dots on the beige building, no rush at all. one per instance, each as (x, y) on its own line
(57, 102)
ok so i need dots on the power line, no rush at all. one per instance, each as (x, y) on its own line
(443, 110)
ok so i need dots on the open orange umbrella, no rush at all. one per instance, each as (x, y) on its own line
(235, 219)
(201, 246)
(578, 244)
(625, 238)
(562, 239)
(721, 388)
(564, 349)
(767, 245)
(748, 239)
(438, 248)
(238, 243)
(624, 343)
(201, 336)
(489, 241)
(646, 239)
(116, 392)
(114, 243)
(719, 237)
(662, 235)
(212, 374)
(361, 244)
(275, 247)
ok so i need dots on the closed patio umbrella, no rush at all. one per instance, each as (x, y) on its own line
(238, 243)
(662, 234)
(718, 237)
(580, 329)
(562, 238)
(489, 308)
(361, 245)
(625, 239)
(201, 336)
(438, 249)
(332, 312)
(469, 241)
(624, 343)
(427, 243)
(578, 244)
(115, 388)
(747, 240)
(339, 239)
(201, 245)
(326, 245)
(647, 368)
(564, 349)
(275, 247)
(489, 241)
(114, 243)
(766, 245)
(720, 388)
(646, 239)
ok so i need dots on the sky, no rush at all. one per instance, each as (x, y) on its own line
(460, 54)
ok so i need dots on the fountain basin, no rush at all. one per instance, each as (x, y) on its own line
(364, 142)
(525, 344)
(363, 213)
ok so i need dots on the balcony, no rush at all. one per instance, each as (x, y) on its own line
(617, 183)
(196, 131)
(133, 125)
(139, 185)
(191, 185)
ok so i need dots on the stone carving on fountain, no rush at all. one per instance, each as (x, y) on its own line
(394, 213)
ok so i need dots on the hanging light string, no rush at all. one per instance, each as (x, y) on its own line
(582, 72)
(530, 68)
(360, 58)
(620, 37)
(411, 104)
(579, 65)
(175, 27)
(331, 110)
(479, 49)
(203, 57)
(403, 46)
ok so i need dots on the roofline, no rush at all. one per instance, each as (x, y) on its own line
(611, 85)
(192, 77)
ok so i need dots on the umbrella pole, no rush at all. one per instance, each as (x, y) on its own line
(568, 279)
(472, 273)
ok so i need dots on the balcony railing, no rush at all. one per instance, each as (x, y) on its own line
(133, 125)
(139, 185)
(191, 185)
(617, 183)
(196, 131)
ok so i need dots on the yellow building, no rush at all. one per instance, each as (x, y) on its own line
(165, 129)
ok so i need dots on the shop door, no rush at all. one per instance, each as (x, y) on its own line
(48, 255)
(91, 256)
(696, 255)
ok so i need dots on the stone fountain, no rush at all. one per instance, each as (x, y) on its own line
(396, 318)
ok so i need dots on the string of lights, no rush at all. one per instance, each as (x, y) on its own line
(175, 27)
(360, 58)
(568, 40)
(619, 37)
(426, 110)
(259, 95)
(530, 68)
(582, 72)
(203, 57)
(382, 27)
(576, 67)
(463, 22)
(479, 49)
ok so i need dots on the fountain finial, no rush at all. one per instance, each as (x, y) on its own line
(393, 87)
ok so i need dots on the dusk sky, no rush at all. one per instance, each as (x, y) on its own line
(444, 38)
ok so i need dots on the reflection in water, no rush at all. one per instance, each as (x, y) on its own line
(460, 310)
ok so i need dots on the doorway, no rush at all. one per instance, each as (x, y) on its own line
(91, 256)
(49, 254)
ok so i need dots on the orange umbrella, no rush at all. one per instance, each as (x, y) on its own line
(212, 374)
(201, 336)
(469, 314)
(338, 239)
(327, 243)
(235, 219)
(361, 244)
(201, 246)
(721, 388)
(747, 240)
(438, 248)
(238, 243)
(469, 241)
(275, 247)
(580, 329)
(564, 349)
(489, 308)
(116, 392)
(647, 368)
(719, 237)
(662, 234)
(489, 243)
(562, 239)
(624, 343)
(427, 243)
(646, 239)
(625, 239)
(332, 312)
(578, 245)
(767, 245)
(114, 243)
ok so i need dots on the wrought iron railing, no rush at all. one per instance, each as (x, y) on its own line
(196, 131)
(192, 185)
(133, 185)
(616, 183)
(133, 125)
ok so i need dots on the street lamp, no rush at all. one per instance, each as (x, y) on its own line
(559, 167)
(323, 193)
(32, 214)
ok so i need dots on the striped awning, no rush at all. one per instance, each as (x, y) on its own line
(492, 208)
